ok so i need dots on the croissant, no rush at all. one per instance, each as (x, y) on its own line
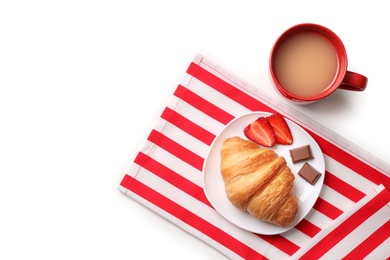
(258, 180)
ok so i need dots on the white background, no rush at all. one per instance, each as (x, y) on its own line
(83, 82)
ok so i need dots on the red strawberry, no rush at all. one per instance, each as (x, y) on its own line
(261, 132)
(281, 129)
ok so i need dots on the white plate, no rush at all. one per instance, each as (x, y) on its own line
(215, 190)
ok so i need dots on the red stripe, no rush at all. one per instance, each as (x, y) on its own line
(176, 149)
(225, 88)
(127, 181)
(307, 228)
(172, 177)
(345, 228)
(370, 243)
(253, 104)
(282, 243)
(342, 187)
(327, 209)
(203, 105)
(190, 218)
(188, 126)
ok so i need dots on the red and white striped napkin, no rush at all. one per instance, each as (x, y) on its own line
(350, 219)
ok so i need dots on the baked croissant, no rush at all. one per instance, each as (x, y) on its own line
(258, 180)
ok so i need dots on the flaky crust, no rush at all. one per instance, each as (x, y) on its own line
(259, 181)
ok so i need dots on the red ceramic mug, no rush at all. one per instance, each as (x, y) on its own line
(309, 62)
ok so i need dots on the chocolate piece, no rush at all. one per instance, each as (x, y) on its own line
(310, 174)
(301, 153)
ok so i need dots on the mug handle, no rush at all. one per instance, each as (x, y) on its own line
(353, 81)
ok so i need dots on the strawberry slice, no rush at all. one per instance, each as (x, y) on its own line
(281, 129)
(261, 132)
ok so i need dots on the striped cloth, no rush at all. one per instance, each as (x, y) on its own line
(350, 219)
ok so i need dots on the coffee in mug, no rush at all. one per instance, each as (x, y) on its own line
(308, 62)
